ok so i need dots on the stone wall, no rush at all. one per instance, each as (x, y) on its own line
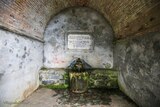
(56, 55)
(53, 76)
(107, 79)
(78, 19)
(59, 78)
(138, 62)
(20, 61)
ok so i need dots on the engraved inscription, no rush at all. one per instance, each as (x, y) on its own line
(79, 41)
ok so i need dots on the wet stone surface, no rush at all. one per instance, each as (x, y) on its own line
(65, 98)
(92, 97)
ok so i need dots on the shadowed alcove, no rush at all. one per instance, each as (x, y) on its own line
(123, 49)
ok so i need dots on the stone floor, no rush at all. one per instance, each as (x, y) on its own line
(44, 97)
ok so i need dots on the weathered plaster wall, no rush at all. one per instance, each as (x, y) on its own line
(20, 60)
(78, 19)
(138, 60)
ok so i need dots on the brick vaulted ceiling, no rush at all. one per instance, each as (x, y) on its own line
(127, 17)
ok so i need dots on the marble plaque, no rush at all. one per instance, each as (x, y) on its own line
(79, 41)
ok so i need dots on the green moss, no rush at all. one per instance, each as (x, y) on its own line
(66, 78)
(56, 86)
(104, 79)
(79, 81)
(43, 68)
(83, 75)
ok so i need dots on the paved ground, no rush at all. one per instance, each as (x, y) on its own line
(44, 97)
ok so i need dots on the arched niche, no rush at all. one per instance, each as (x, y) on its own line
(78, 21)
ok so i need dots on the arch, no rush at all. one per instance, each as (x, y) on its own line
(78, 19)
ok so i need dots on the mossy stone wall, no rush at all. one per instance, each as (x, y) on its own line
(101, 78)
